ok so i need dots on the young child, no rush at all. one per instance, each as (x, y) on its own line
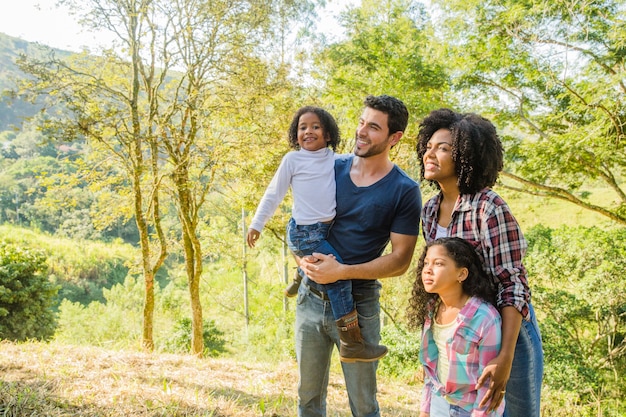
(452, 301)
(310, 171)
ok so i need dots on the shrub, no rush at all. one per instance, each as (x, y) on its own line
(180, 341)
(26, 295)
(115, 323)
(403, 357)
(577, 275)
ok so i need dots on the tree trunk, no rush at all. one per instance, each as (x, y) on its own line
(193, 255)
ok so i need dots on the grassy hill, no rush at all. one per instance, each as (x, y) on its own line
(79, 381)
(13, 112)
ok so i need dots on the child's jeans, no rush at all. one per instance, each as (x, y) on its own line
(303, 240)
(440, 407)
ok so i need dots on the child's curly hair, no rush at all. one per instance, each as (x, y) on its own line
(476, 148)
(477, 283)
(331, 130)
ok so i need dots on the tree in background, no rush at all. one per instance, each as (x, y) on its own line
(157, 106)
(214, 45)
(578, 275)
(386, 51)
(551, 74)
(109, 107)
(26, 295)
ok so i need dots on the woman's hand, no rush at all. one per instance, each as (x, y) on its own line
(497, 372)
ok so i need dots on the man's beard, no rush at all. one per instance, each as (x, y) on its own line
(372, 150)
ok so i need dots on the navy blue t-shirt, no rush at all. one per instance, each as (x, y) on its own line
(367, 215)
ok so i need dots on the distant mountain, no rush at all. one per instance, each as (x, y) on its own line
(12, 113)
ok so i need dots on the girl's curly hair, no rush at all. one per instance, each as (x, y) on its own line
(477, 283)
(331, 130)
(476, 148)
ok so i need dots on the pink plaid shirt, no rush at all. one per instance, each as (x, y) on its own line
(475, 342)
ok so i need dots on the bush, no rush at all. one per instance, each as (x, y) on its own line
(578, 278)
(180, 341)
(26, 295)
(115, 323)
(403, 357)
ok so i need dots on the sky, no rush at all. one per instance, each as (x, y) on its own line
(41, 21)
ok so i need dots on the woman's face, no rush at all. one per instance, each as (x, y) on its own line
(438, 163)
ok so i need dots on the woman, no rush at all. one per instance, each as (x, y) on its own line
(461, 154)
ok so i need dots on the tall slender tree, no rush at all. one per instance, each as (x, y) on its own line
(160, 109)
(112, 104)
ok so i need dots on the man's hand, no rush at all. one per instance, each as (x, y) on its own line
(323, 269)
(497, 372)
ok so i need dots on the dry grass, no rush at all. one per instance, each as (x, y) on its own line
(38, 379)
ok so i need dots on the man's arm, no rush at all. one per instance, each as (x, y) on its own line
(324, 269)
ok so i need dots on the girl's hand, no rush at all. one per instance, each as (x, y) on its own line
(252, 237)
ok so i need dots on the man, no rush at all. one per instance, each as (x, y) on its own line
(377, 203)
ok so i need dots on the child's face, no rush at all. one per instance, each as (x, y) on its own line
(441, 275)
(311, 135)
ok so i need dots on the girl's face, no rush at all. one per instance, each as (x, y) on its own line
(441, 274)
(438, 163)
(311, 135)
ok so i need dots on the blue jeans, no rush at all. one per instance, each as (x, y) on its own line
(303, 240)
(316, 335)
(440, 407)
(523, 391)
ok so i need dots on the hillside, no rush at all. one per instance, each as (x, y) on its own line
(13, 112)
(54, 380)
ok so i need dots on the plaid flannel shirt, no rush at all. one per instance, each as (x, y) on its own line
(486, 221)
(476, 341)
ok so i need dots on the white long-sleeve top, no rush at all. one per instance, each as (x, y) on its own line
(311, 175)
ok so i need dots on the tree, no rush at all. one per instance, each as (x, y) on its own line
(155, 102)
(386, 51)
(214, 46)
(111, 101)
(579, 280)
(209, 40)
(551, 74)
(26, 295)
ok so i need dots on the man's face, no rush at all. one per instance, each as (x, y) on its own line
(372, 135)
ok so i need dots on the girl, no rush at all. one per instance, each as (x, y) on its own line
(461, 154)
(461, 330)
(310, 171)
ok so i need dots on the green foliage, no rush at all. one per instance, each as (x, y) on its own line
(81, 268)
(180, 340)
(403, 357)
(116, 323)
(551, 74)
(578, 275)
(26, 295)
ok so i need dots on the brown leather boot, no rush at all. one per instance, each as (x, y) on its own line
(352, 347)
(292, 288)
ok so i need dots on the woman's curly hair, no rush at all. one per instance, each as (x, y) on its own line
(476, 148)
(331, 130)
(477, 283)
